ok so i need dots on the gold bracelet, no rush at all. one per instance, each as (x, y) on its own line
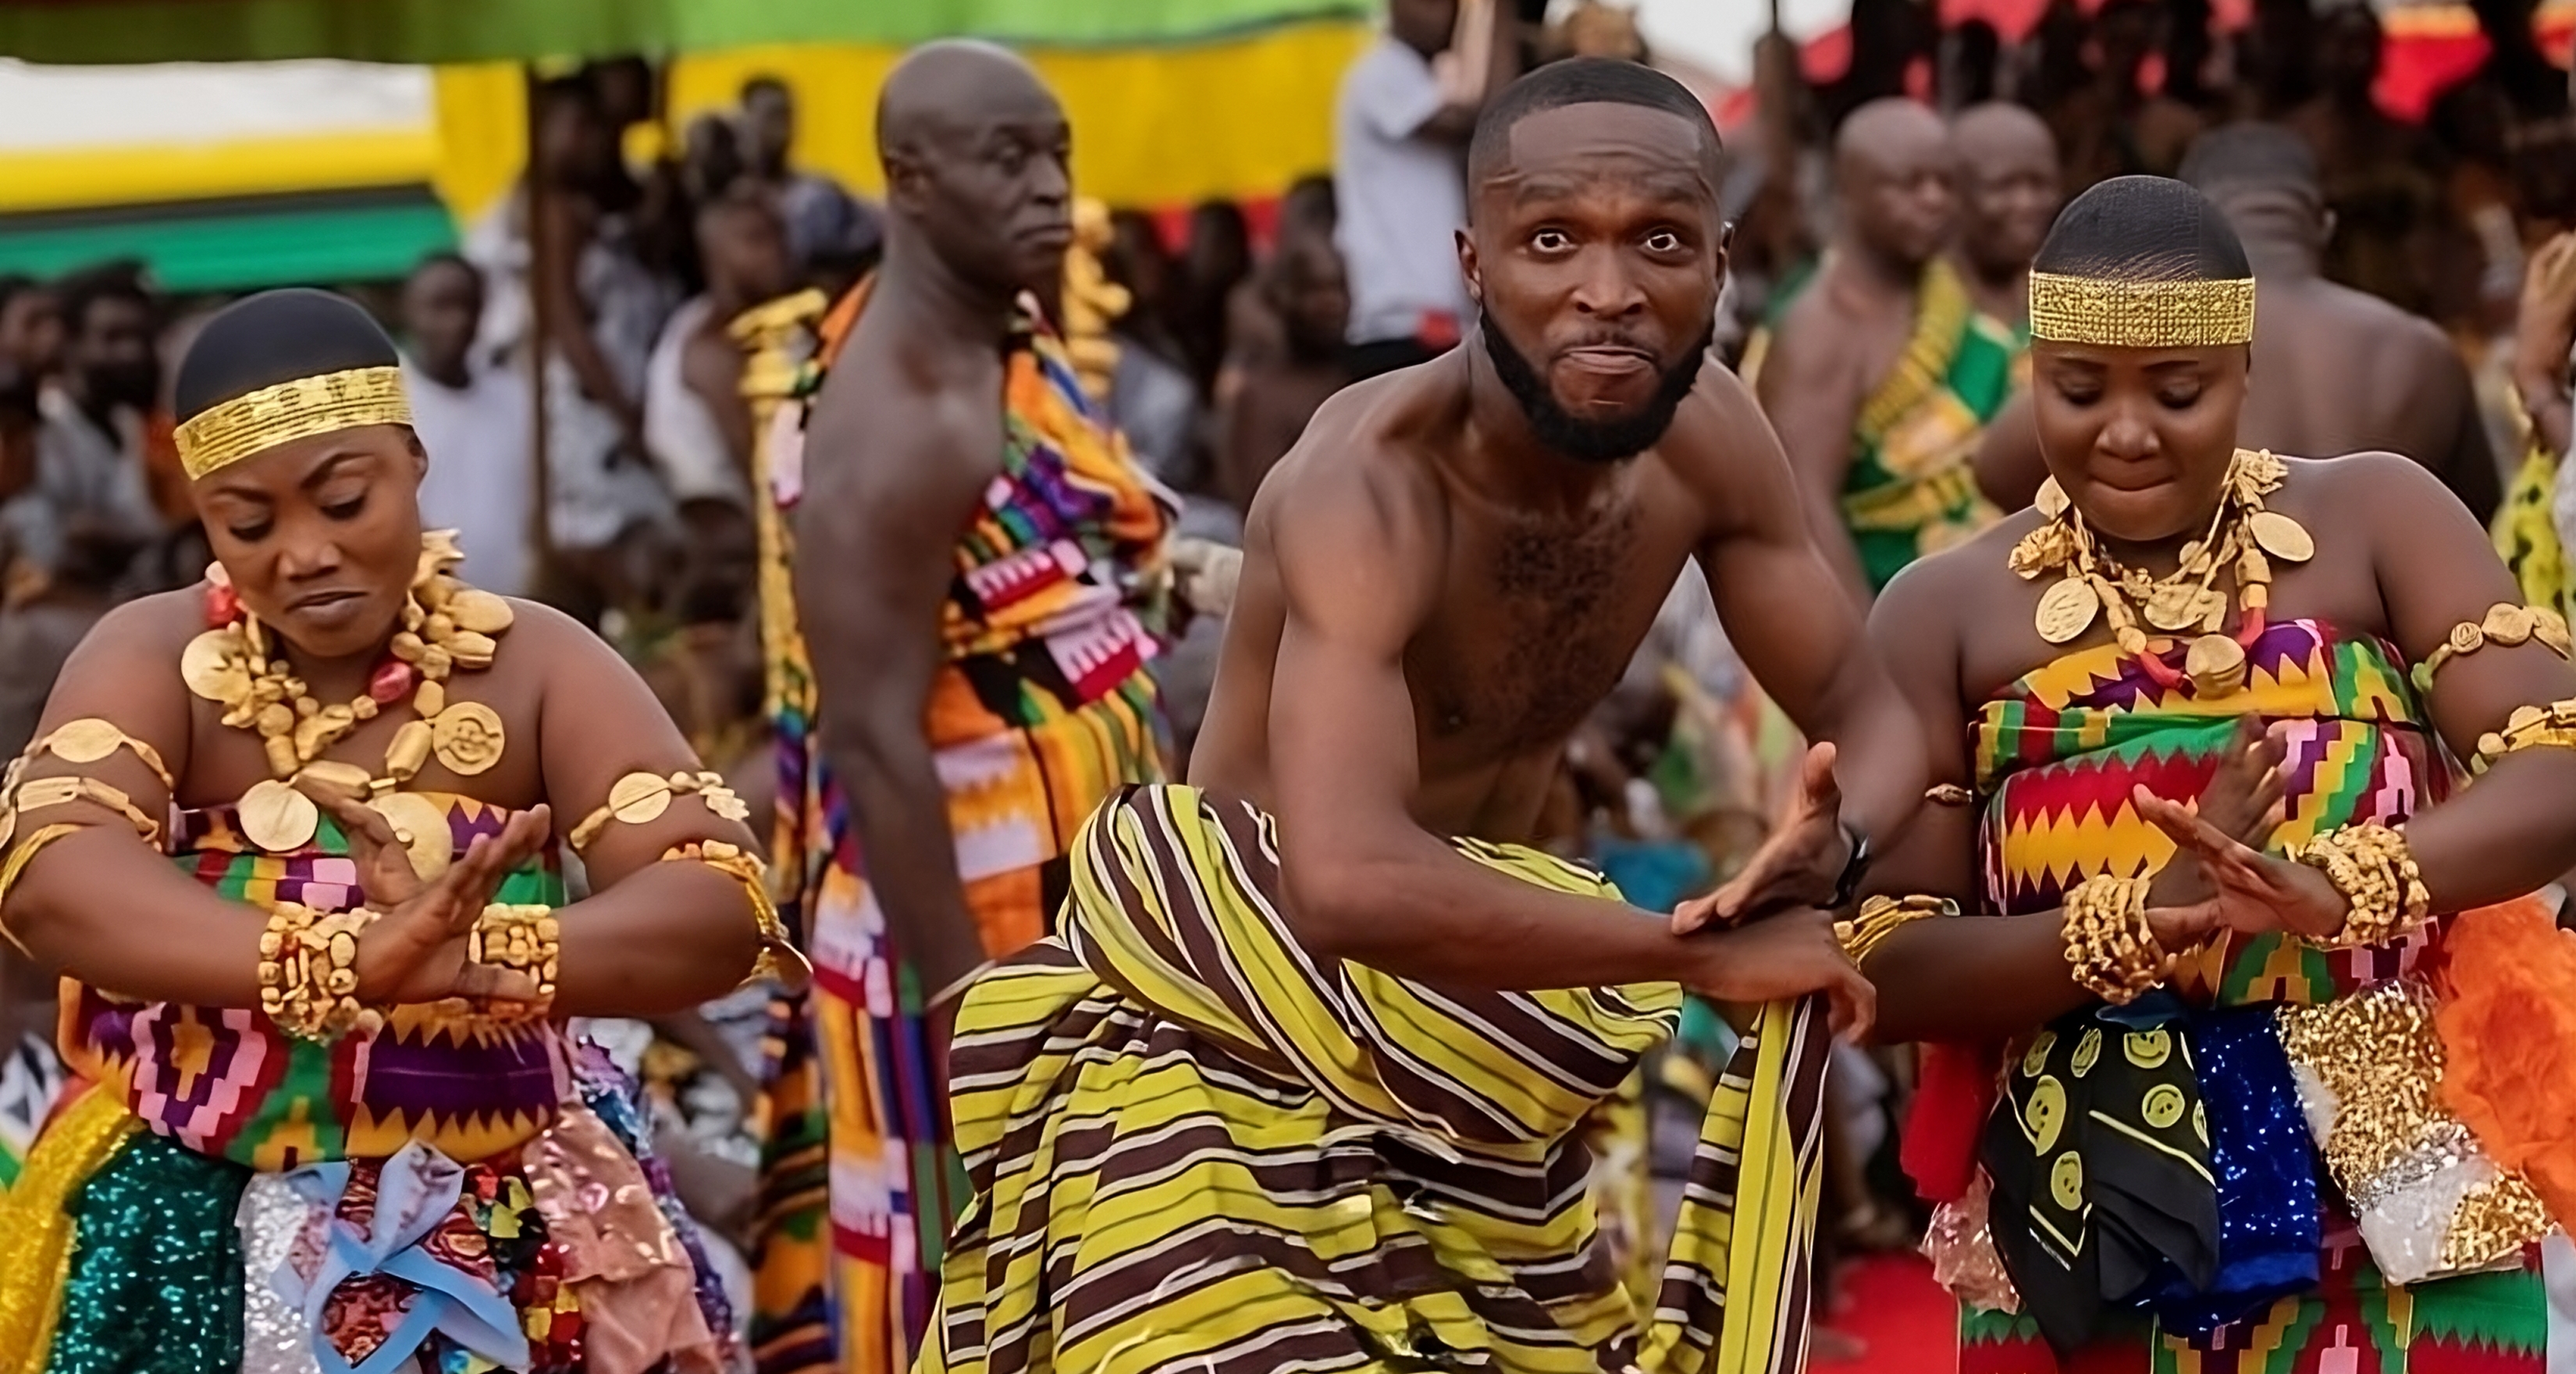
(640, 798)
(62, 789)
(1881, 917)
(2529, 727)
(524, 939)
(90, 738)
(779, 958)
(2506, 624)
(2109, 946)
(1948, 794)
(308, 976)
(17, 863)
(2372, 867)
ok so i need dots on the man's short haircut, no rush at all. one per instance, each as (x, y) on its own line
(764, 83)
(2250, 153)
(1585, 81)
(2142, 229)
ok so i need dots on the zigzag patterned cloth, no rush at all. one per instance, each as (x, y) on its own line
(2057, 753)
(1194, 1147)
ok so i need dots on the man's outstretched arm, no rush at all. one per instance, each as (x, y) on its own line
(1791, 619)
(1368, 884)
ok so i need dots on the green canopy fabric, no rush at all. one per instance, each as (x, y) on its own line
(93, 31)
(245, 245)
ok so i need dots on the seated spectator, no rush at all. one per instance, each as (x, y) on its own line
(696, 423)
(826, 225)
(91, 497)
(1306, 292)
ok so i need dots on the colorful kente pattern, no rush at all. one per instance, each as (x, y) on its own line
(1042, 709)
(2057, 753)
(228, 1082)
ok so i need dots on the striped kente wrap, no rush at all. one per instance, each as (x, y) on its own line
(1194, 1146)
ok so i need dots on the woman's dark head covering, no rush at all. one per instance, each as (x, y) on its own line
(283, 365)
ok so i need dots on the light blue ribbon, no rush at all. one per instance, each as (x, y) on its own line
(417, 1190)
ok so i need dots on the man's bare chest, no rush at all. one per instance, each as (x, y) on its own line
(1536, 627)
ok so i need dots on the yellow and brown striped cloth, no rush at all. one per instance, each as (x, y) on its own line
(1196, 1147)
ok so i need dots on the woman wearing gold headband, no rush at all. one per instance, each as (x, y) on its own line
(2293, 1092)
(295, 838)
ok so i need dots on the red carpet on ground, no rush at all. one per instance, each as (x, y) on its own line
(1891, 1302)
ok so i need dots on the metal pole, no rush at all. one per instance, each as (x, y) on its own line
(536, 203)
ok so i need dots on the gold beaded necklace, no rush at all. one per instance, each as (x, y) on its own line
(2242, 534)
(446, 626)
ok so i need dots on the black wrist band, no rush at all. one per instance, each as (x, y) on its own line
(1855, 868)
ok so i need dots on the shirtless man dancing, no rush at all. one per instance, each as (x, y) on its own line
(1299, 1082)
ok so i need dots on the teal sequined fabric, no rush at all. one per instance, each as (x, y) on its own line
(156, 1275)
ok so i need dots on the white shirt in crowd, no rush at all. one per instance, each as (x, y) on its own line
(688, 443)
(482, 472)
(1402, 197)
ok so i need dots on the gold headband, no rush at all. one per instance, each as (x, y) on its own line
(228, 433)
(2141, 314)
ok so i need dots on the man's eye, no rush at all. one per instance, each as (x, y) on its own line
(1663, 241)
(1551, 241)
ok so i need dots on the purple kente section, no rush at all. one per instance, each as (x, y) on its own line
(2293, 642)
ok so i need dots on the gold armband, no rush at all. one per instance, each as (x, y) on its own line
(2112, 950)
(2373, 869)
(779, 958)
(35, 794)
(1881, 917)
(90, 739)
(2529, 727)
(1949, 794)
(640, 798)
(17, 863)
(308, 974)
(526, 939)
(2506, 624)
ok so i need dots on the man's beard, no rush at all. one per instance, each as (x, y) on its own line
(1593, 441)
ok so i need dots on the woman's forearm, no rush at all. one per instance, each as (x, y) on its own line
(106, 909)
(2508, 834)
(1972, 978)
(662, 939)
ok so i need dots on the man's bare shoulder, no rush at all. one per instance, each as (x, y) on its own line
(1722, 446)
(1361, 483)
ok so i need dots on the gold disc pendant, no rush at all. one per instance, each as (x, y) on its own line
(2067, 609)
(420, 827)
(2216, 666)
(2282, 537)
(2173, 606)
(278, 818)
(468, 737)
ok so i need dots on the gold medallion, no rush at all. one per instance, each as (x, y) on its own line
(2282, 537)
(2172, 606)
(278, 818)
(212, 666)
(468, 737)
(86, 740)
(2066, 610)
(2507, 624)
(478, 611)
(2051, 499)
(2209, 608)
(421, 828)
(2216, 666)
(639, 798)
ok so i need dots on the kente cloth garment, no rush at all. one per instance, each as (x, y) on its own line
(1042, 708)
(2056, 753)
(1196, 1147)
(387, 1186)
(1911, 488)
(227, 1081)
